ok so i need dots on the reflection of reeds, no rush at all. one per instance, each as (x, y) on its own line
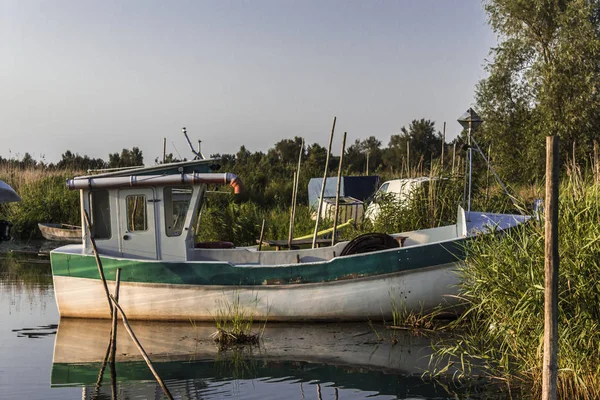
(25, 276)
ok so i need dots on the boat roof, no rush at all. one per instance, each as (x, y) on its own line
(7, 194)
(182, 167)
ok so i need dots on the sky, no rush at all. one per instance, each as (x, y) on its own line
(95, 77)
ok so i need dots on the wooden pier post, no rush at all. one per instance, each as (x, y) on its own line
(550, 362)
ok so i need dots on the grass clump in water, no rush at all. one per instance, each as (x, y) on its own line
(503, 291)
(234, 323)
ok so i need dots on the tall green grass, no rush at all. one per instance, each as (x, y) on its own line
(503, 291)
(45, 198)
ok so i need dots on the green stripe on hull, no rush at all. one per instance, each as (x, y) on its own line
(222, 273)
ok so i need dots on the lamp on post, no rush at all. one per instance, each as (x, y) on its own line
(470, 121)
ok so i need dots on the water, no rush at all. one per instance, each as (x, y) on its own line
(44, 358)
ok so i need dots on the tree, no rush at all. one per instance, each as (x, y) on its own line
(423, 141)
(544, 79)
(127, 158)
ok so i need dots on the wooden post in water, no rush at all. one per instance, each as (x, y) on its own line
(314, 242)
(113, 332)
(337, 191)
(98, 261)
(141, 349)
(550, 362)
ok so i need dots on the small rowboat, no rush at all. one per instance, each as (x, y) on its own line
(61, 232)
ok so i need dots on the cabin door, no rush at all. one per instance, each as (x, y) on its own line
(137, 223)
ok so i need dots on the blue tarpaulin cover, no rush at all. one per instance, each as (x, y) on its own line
(359, 187)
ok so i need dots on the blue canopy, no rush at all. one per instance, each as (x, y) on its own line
(359, 187)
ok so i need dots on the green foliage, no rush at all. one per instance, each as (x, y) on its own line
(45, 198)
(503, 290)
(127, 158)
(544, 79)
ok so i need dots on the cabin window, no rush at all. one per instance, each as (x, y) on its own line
(177, 202)
(137, 219)
(100, 212)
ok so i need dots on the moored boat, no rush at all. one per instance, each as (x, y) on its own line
(61, 232)
(143, 223)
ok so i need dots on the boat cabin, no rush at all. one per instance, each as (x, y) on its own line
(146, 213)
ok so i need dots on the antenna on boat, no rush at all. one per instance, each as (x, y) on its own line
(199, 155)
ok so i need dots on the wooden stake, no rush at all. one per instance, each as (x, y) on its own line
(551, 265)
(297, 183)
(113, 340)
(337, 191)
(98, 262)
(453, 157)
(113, 332)
(262, 235)
(596, 166)
(314, 242)
(291, 231)
(164, 150)
(141, 349)
(407, 159)
(443, 146)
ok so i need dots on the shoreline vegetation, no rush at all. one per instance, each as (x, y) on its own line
(502, 289)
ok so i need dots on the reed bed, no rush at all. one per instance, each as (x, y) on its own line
(45, 198)
(503, 291)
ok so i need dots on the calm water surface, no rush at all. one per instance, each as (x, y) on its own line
(45, 358)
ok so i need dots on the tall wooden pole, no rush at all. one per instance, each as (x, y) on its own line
(164, 150)
(407, 159)
(296, 185)
(453, 157)
(314, 242)
(337, 191)
(596, 166)
(443, 146)
(98, 261)
(550, 363)
(291, 230)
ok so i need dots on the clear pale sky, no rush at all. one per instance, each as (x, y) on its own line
(95, 77)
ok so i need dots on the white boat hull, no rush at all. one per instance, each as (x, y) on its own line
(353, 299)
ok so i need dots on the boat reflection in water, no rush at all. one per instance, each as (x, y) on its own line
(319, 361)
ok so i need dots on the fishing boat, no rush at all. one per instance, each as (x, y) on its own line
(61, 232)
(143, 222)
(7, 195)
